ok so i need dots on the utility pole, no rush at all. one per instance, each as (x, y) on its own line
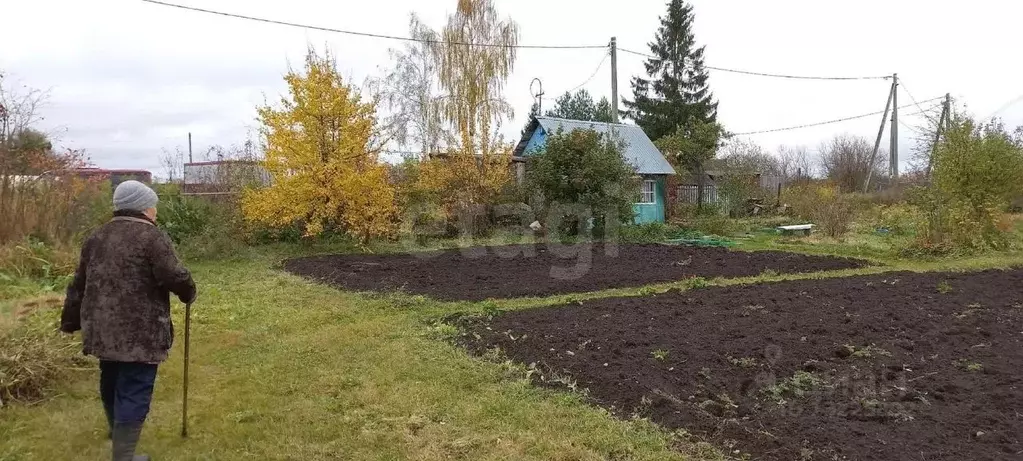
(877, 142)
(948, 111)
(189, 147)
(895, 129)
(943, 121)
(614, 79)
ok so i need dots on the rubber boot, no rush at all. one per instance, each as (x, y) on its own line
(125, 439)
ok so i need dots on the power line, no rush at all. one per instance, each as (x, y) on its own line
(409, 39)
(925, 111)
(594, 74)
(828, 122)
(764, 74)
(916, 130)
(1004, 106)
(366, 34)
(902, 83)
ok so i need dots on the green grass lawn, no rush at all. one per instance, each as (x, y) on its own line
(286, 369)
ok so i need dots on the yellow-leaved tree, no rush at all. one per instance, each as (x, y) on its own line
(475, 55)
(320, 153)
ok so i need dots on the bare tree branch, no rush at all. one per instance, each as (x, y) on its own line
(19, 107)
(795, 162)
(846, 160)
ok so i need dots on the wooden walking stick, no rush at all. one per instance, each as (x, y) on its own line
(184, 397)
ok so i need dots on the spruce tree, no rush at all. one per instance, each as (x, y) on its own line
(580, 106)
(675, 97)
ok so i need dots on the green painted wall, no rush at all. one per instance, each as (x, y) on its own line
(652, 212)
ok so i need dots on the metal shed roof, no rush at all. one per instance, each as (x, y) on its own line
(639, 150)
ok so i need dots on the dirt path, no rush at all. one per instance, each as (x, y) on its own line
(517, 271)
(898, 366)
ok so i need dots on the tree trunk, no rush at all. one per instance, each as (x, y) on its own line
(699, 187)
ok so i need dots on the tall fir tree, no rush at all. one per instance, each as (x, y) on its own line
(675, 97)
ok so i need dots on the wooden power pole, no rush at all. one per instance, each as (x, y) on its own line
(894, 161)
(877, 142)
(614, 79)
(943, 121)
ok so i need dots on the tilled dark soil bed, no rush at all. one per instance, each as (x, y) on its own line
(515, 271)
(898, 366)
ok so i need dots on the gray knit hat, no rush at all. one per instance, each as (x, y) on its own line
(135, 196)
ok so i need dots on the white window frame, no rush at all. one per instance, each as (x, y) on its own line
(652, 193)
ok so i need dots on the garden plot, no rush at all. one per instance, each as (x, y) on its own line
(514, 271)
(897, 366)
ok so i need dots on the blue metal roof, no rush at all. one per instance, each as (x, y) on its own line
(639, 150)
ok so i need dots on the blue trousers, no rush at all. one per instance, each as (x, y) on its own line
(127, 390)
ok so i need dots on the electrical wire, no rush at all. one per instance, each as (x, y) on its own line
(594, 74)
(498, 45)
(925, 111)
(914, 129)
(902, 83)
(828, 122)
(367, 34)
(764, 74)
(1004, 106)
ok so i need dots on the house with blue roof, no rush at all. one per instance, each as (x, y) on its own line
(650, 164)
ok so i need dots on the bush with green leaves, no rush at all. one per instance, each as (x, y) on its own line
(717, 224)
(741, 165)
(182, 217)
(896, 219)
(822, 204)
(976, 174)
(580, 173)
(202, 228)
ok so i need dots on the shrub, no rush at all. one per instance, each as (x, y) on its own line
(644, 233)
(34, 356)
(579, 175)
(716, 224)
(711, 219)
(741, 163)
(822, 204)
(215, 242)
(183, 217)
(422, 221)
(51, 210)
(685, 211)
(976, 176)
(213, 230)
(897, 219)
(953, 225)
(465, 182)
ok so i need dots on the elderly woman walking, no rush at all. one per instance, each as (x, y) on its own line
(120, 299)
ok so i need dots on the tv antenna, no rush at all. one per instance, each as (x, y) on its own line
(537, 94)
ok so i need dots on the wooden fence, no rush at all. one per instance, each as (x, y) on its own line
(690, 194)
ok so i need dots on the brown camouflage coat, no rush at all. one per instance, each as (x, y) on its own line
(120, 296)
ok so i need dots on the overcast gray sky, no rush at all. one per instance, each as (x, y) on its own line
(128, 78)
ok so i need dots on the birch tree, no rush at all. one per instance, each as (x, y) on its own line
(475, 55)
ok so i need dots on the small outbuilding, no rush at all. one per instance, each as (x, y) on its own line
(650, 164)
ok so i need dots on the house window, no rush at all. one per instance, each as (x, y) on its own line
(647, 193)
